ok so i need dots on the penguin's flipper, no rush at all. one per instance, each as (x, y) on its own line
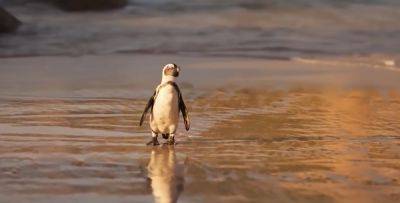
(185, 112)
(182, 106)
(149, 105)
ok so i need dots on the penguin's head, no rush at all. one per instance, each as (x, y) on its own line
(171, 70)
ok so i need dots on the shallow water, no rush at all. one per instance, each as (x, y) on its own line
(246, 145)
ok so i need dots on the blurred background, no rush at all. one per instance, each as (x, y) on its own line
(280, 29)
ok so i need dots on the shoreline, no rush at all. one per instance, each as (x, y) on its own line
(132, 76)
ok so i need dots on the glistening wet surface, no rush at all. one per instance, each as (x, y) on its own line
(246, 145)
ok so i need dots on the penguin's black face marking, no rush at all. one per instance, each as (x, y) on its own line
(175, 73)
(171, 70)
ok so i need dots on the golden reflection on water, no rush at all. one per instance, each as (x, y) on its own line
(246, 145)
(321, 145)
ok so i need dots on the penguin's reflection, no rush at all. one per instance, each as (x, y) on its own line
(165, 174)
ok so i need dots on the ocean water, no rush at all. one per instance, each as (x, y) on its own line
(264, 29)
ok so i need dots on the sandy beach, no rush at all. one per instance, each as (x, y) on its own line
(262, 131)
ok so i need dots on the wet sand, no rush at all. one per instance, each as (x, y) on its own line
(262, 131)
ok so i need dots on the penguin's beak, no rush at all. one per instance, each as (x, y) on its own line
(175, 73)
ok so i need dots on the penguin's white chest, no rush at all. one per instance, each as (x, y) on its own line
(165, 116)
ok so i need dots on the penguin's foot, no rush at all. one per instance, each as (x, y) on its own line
(153, 141)
(171, 140)
(165, 136)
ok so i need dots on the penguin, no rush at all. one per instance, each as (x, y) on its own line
(164, 107)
